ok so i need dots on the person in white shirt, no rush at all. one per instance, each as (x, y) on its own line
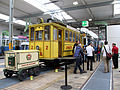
(106, 62)
(89, 50)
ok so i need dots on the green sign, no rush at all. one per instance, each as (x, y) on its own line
(85, 23)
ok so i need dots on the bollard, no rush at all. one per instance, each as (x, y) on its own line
(31, 77)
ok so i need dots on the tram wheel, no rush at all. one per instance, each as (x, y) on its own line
(36, 71)
(8, 74)
(22, 75)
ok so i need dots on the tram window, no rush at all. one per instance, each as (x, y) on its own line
(76, 37)
(70, 36)
(66, 35)
(3, 42)
(73, 37)
(54, 34)
(32, 34)
(7, 43)
(47, 32)
(39, 35)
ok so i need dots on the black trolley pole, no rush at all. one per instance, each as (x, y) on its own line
(66, 86)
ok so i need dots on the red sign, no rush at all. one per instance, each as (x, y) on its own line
(29, 56)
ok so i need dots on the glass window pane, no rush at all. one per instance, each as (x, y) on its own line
(39, 35)
(47, 32)
(32, 34)
(55, 34)
(70, 36)
(3, 42)
(66, 35)
(76, 37)
(73, 37)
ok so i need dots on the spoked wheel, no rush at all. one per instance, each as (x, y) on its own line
(8, 74)
(23, 74)
(36, 71)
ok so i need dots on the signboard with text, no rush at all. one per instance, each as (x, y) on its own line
(85, 23)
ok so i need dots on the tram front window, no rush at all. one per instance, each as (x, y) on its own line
(47, 33)
(32, 34)
(39, 35)
(55, 34)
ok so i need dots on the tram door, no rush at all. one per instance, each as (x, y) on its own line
(60, 43)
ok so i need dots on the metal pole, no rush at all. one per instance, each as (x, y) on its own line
(66, 73)
(11, 24)
(98, 34)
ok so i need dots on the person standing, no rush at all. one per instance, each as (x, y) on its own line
(78, 55)
(106, 62)
(74, 47)
(115, 55)
(90, 50)
(98, 53)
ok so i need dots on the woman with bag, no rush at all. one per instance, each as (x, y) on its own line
(105, 50)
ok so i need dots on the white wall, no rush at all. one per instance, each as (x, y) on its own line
(113, 35)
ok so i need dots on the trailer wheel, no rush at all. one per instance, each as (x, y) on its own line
(36, 71)
(23, 74)
(8, 74)
(31, 71)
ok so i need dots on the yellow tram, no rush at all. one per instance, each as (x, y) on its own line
(53, 40)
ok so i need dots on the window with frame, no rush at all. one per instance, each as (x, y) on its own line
(39, 35)
(76, 37)
(70, 36)
(73, 37)
(3, 42)
(66, 35)
(55, 34)
(47, 33)
(32, 34)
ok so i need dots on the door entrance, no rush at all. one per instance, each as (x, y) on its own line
(60, 43)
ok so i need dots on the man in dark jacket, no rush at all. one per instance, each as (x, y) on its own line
(78, 55)
(77, 42)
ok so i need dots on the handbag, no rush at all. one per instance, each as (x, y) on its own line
(108, 55)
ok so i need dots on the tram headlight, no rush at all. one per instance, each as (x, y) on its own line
(37, 47)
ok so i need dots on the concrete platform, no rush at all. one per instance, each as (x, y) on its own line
(116, 77)
(100, 80)
(53, 80)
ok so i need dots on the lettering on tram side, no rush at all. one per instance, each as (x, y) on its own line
(28, 64)
(31, 47)
(46, 47)
(68, 47)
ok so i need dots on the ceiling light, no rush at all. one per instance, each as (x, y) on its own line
(90, 19)
(75, 3)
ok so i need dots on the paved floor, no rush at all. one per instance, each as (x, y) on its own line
(116, 77)
(100, 80)
(48, 81)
